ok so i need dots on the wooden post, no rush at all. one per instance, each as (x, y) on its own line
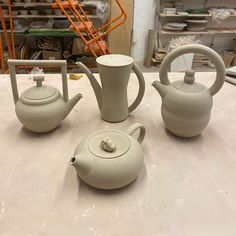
(150, 46)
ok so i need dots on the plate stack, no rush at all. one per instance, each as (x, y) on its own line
(196, 24)
(174, 26)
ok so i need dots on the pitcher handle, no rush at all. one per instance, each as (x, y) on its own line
(142, 131)
(13, 63)
(141, 91)
(195, 48)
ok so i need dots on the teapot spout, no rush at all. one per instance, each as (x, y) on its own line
(81, 165)
(95, 85)
(161, 88)
(71, 103)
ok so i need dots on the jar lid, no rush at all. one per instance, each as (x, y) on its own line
(109, 144)
(40, 94)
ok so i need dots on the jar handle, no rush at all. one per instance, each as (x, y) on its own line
(195, 48)
(142, 131)
(12, 69)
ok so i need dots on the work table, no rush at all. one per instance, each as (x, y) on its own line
(187, 187)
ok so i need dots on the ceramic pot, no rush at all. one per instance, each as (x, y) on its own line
(41, 108)
(186, 105)
(114, 71)
(109, 159)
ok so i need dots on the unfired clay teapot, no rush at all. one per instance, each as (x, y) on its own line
(41, 108)
(186, 105)
(114, 71)
(109, 159)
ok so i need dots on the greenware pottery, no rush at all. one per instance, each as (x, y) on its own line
(186, 105)
(41, 108)
(114, 71)
(110, 158)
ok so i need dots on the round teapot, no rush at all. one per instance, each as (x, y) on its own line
(41, 108)
(109, 159)
(186, 105)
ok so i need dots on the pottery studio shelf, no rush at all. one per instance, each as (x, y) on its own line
(46, 16)
(39, 4)
(44, 32)
(51, 32)
(189, 15)
(208, 31)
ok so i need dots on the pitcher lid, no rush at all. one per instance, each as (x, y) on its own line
(189, 84)
(109, 144)
(114, 60)
(40, 94)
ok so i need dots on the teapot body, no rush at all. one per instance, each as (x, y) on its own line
(41, 108)
(112, 173)
(186, 114)
(186, 105)
(109, 159)
(41, 118)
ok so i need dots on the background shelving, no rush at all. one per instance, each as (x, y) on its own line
(27, 34)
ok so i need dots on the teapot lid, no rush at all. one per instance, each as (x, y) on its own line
(109, 144)
(189, 84)
(40, 94)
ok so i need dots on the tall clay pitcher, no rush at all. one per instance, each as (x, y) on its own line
(114, 71)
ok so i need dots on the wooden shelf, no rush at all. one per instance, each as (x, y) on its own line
(45, 16)
(43, 32)
(51, 32)
(189, 15)
(39, 4)
(208, 31)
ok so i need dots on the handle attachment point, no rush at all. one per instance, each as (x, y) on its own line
(142, 131)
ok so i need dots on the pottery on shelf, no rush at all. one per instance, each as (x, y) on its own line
(114, 71)
(41, 108)
(110, 158)
(186, 105)
(23, 12)
(34, 12)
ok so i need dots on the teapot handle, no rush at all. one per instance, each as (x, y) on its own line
(12, 69)
(142, 131)
(141, 91)
(195, 48)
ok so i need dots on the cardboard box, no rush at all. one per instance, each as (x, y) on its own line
(51, 55)
(78, 47)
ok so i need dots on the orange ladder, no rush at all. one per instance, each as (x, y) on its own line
(84, 28)
(9, 42)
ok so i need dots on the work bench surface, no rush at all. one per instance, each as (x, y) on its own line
(187, 187)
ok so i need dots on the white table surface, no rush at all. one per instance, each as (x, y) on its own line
(186, 188)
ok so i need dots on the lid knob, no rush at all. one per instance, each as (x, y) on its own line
(39, 79)
(107, 145)
(189, 76)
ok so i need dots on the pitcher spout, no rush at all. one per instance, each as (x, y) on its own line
(71, 103)
(161, 88)
(95, 85)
